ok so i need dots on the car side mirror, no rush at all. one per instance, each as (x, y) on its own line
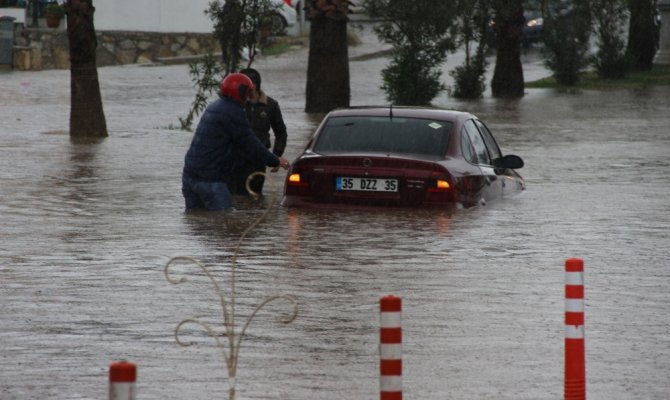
(510, 161)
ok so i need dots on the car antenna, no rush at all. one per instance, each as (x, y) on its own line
(391, 111)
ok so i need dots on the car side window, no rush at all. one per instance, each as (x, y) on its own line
(481, 155)
(466, 148)
(491, 145)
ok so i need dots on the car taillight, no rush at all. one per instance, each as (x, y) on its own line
(439, 191)
(440, 186)
(296, 185)
(296, 180)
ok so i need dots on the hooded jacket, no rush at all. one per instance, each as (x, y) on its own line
(264, 115)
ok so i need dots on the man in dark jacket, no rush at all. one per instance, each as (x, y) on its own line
(223, 131)
(263, 113)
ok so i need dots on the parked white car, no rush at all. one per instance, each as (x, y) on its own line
(355, 7)
(284, 17)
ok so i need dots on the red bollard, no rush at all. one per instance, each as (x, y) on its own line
(122, 376)
(575, 354)
(390, 348)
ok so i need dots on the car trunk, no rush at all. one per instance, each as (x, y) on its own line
(371, 180)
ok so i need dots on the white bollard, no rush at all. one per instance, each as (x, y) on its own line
(122, 376)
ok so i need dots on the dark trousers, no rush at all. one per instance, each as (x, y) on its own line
(206, 195)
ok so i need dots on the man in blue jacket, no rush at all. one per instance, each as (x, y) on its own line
(223, 130)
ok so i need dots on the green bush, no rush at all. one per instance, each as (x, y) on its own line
(473, 33)
(567, 27)
(611, 60)
(421, 32)
(411, 78)
(469, 81)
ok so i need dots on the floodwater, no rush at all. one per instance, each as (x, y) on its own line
(86, 230)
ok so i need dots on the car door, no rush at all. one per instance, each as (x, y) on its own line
(491, 186)
(508, 178)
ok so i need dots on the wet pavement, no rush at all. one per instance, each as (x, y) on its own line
(87, 228)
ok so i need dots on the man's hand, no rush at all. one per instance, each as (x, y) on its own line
(284, 163)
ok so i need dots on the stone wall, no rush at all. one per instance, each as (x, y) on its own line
(47, 48)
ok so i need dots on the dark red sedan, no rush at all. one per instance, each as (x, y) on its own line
(401, 156)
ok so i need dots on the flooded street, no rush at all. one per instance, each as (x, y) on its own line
(86, 230)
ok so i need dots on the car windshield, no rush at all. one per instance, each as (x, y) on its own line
(384, 135)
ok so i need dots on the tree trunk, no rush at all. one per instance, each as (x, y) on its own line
(508, 73)
(642, 34)
(328, 63)
(229, 32)
(87, 118)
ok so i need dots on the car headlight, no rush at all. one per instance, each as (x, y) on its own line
(534, 22)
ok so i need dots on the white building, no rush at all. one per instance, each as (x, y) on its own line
(152, 15)
(169, 16)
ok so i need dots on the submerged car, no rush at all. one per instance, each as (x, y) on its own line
(405, 157)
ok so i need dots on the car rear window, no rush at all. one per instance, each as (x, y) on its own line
(384, 135)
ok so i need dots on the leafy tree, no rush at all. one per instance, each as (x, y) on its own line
(421, 32)
(610, 59)
(228, 17)
(643, 34)
(328, 60)
(87, 118)
(566, 33)
(508, 26)
(237, 26)
(474, 17)
(206, 74)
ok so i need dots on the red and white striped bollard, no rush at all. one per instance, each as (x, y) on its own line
(390, 348)
(122, 376)
(575, 354)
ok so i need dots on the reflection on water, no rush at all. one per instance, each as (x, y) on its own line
(87, 227)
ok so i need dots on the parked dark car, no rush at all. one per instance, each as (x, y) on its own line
(407, 157)
(532, 29)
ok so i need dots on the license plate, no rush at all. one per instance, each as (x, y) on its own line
(366, 184)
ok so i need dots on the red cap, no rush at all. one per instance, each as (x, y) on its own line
(122, 371)
(390, 304)
(574, 265)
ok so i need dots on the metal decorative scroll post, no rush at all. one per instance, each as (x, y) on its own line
(122, 376)
(575, 354)
(232, 351)
(390, 348)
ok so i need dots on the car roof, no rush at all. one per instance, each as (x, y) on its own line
(406, 112)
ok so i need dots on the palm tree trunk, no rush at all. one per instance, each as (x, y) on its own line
(642, 34)
(87, 118)
(508, 73)
(328, 63)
